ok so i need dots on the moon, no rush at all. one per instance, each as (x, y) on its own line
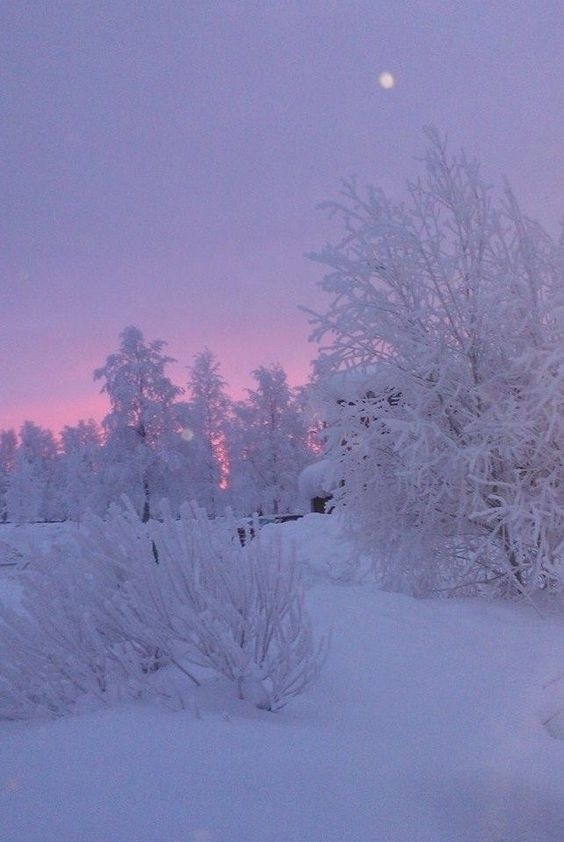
(386, 80)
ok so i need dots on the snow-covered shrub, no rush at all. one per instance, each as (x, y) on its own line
(100, 626)
(54, 652)
(447, 316)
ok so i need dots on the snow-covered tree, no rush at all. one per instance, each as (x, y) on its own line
(270, 440)
(174, 471)
(142, 418)
(80, 473)
(453, 303)
(32, 492)
(209, 412)
(8, 445)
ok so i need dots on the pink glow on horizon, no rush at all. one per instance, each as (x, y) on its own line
(84, 400)
(55, 414)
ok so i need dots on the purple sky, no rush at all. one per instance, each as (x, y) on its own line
(161, 163)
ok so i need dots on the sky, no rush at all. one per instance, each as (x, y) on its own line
(162, 164)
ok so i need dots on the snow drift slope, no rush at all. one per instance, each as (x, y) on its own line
(425, 726)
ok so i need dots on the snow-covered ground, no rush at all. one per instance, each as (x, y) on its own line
(425, 724)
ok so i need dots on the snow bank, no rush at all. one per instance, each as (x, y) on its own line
(323, 548)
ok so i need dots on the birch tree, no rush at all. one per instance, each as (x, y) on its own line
(32, 493)
(142, 414)
(209, 412)
(271, 442)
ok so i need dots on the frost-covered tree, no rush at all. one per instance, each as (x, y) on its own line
(32, 492)
(209, 413)
(174, 470)
(453, 303)
(8, 445)
(80, 474)
(270, 440)
(143, 416)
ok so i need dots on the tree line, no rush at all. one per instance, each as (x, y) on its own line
(155, 444)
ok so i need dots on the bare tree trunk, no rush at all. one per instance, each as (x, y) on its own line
(146, 516)
(146, 501)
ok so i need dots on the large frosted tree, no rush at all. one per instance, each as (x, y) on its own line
(452, 304)
(143, 417)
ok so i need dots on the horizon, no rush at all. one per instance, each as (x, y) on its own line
(96, 405)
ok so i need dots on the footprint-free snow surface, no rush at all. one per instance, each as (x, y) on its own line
(432, 721)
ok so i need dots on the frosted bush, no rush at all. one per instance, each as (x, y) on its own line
(97, 628)
(447, 317)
